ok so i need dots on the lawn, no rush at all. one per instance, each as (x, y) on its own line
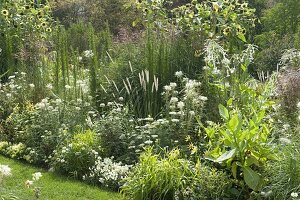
(52, 186)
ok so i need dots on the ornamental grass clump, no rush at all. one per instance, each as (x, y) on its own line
(172, 177)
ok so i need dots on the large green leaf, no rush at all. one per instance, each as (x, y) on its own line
(234, 169)
(223, 112)
(252, 179)
(242, 37)
(227, 155)
(233, 123)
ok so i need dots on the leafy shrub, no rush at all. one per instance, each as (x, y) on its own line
(77, 155)
(114, 129)
(172, 178)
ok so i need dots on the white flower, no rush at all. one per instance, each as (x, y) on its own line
(298, 105)
(5, 170)
(178, 74)
(77, 108)
(167, 88)
(285, 141)
(28, 183)
(49, 86)
(203, 98)
(36, 176)
(192, 113)
(102, 105)
(148, 142)
(79, 58)
(58, 101)
(173, 113)
(286, 126)
(174, 100)
(175, 120)
(216, 71)
(31, 85)
(180, 105)
(173, 85)
(121, 98)
(88, 53)
(110, 104)
(68, 87)
(294, 194)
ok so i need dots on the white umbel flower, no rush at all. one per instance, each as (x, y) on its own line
(5, 170)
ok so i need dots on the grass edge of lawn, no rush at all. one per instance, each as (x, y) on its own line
(53, 185)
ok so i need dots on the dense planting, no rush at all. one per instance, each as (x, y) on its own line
(192, 100)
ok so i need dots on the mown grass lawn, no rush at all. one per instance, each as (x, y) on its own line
(52, 186)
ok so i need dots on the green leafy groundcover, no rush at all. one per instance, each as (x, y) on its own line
(52, 186)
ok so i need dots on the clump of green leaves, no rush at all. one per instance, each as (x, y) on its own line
(172, 177)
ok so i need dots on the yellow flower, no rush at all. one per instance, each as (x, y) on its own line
(244, 5)
(216, 6)
(48, 29)
(5, 12)
(188, 138)
(226, 31)
(197, 53)
(44, 24)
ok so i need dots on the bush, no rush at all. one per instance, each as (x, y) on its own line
(115, 129)
(77, 155)
(173, 178)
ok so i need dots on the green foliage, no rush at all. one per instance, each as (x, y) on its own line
(280, 25)
(111, 12)
(77, 154)
(173, 178)
(53, 186)
(241, 142)
(24, 25)
(114, 130)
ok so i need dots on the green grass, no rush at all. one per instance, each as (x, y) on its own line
(52, 185)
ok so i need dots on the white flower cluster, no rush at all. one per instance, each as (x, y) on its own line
(5, 170)
(108, 172)
(289, 57)
(83, 85)
(35, 177)
(88, 53)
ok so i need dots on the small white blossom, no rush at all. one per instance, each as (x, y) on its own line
(28, 183)
(180, 105)
(175, 120)
(174, 100)
(102, 105)
(68, 87)
(88, 53)
(173, 85)
(167, 88)
(5, 170)
(178, 74)
(49, 86)
(203, 98)
(36, 176)
(294, 194)
(148, 142)
(31, 85)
